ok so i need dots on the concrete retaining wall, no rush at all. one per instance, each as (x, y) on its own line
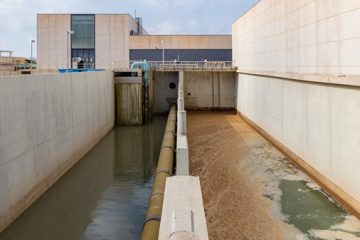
(47, 123)
(209, 90)
(317, 122)
(163, 95)
(298, 83)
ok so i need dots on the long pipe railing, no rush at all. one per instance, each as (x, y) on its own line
(164, 169)
(179, 65)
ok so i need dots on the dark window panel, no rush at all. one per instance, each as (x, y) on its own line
(84, 28)
(182, 54)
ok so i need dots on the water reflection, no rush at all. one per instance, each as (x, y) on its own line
(103, 197)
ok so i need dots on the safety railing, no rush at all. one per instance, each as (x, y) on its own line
(179, 65)
(191, 65)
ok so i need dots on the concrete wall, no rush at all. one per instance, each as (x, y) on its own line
(181, 42)
(112, 39)
(205, 90)
(298, 82)
(52, 40)
(163, 95)
(317, 122)
(47, 123)
(306, 37)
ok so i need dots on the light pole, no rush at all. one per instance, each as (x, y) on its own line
(31, 58)
(69, 33)
(163, 52)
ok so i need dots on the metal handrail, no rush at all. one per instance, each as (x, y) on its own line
(179, 65)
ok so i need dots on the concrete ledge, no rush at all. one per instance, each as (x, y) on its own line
(353, 81)
(207, 109)
(347, 201)
(181, 122)
(183, 215)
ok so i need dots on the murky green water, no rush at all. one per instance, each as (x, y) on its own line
(308, 208)
(104, 196)
(299, 202)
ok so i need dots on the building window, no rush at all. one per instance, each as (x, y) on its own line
(83, 41)
(84, 28)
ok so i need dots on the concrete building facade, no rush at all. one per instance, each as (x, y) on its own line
(298, 83)
(101, 39)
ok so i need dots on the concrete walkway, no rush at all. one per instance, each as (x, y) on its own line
(242, 178)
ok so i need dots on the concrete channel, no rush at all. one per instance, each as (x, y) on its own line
(104, 196)
(253, 191)
(216, 178)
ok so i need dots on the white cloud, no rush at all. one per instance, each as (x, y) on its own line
(9, 4)
(165, 28)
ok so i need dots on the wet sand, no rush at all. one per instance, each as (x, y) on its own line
(234, 204)
(252, 191)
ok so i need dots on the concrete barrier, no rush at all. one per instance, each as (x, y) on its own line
(182, 156)
(182, 149)
(183, 215)
(47, 123)
(181, 119)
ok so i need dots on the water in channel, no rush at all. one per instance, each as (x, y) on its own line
(103, 197)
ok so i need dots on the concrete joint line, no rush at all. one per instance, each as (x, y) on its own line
(170, 147)
(156, 218)
(172, 132)
(157, 194)
(163, 171)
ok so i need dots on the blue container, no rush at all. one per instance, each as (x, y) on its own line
(66, 70)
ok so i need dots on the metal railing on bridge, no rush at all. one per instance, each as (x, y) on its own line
(179, 65)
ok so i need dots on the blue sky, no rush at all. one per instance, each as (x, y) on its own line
(18, 17)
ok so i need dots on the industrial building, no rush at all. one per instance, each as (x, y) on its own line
(99, 40)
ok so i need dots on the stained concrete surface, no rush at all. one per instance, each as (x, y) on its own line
(252, 191)
(48, 122)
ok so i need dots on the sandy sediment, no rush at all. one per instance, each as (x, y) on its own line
(234, 204)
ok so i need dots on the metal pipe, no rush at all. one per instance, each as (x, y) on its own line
(164, 169)
(31, 58)
(69, 33)
(163, 52)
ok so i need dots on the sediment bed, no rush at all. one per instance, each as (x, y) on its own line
(252, 191)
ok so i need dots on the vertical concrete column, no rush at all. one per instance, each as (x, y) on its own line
(181, 84)
(182, 156)
(181, 120)
(181, 104)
